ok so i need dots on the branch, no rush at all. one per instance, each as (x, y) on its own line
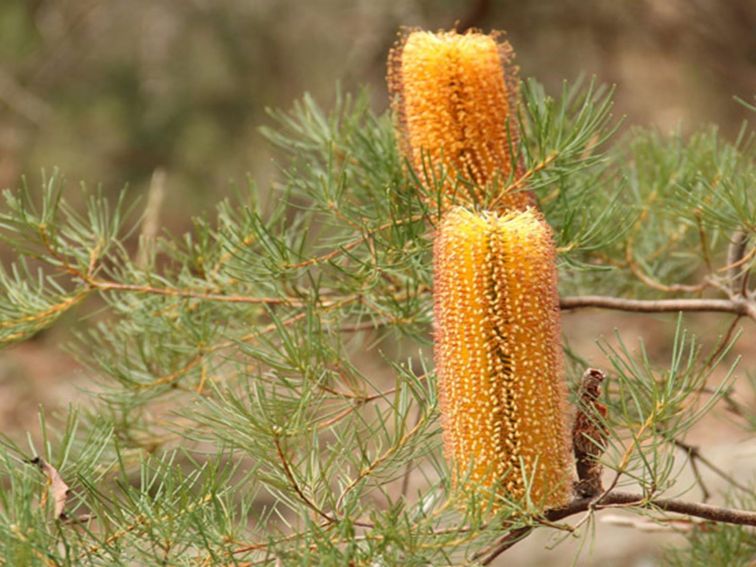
(611, 500)
(368, 469)
(307, 501)
(694, 455)
(519, 183)
(101, 285)
(295, 485)
(354, 243)
(737, 306)
(624, 499)
(705, 511)
(140, 521)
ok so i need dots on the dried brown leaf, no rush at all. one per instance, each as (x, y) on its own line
(58, 487)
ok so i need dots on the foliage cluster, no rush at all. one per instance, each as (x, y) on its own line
(262, 387)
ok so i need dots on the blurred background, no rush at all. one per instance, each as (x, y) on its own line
(112, 91)
(109, 91)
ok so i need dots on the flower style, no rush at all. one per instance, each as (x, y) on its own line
(498, 355)
(455, 96)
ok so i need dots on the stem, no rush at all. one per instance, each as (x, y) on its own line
(625, 499)
(705, 511)
(302, 496)
(738, 306)
(354, 243)
(695, 455)
(410, 464)
(175, 292)
(295, 485)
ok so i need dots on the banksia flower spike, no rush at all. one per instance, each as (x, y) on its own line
(455, 96)
(498, 355)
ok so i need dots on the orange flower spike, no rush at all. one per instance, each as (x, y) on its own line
(455, 97)
(498, 354)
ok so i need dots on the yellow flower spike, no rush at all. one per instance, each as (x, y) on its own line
(498, 355)
(455, 97)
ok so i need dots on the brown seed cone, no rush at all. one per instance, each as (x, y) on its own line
(498, 355)
(455, 98)
(589, 434)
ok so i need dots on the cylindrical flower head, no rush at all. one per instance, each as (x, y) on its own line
(455, 97)
(498, 355)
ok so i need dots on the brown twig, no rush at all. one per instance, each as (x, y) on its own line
(367, 470)
(693, 458)
(488, 554)
(625, 499)
(140, 521)
(577, 506)
(695, 509)
(295, 485)
(51, 312)
(743, 307)
(638, 271)
(354, 243)
(695, 455)
(186, 293)
(302, 496)
(724, 343)
(523, 179)
(408, 467)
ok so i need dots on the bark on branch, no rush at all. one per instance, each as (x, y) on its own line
(622, 499)
(744, 307)
(705, 511)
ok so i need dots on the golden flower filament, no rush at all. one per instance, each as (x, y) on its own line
(455, 97)
(498, 355)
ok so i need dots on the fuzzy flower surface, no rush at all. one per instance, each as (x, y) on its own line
(498, 355)
(455, 96)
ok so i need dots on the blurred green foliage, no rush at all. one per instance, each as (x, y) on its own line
(111, 91)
